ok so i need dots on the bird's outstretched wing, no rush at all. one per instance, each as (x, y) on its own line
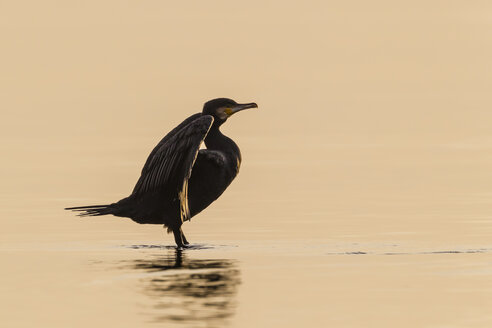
(169, 165)
(172, 133)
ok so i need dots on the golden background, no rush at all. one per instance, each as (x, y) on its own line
(364, 197)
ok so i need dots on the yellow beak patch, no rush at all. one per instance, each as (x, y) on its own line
(228, 111)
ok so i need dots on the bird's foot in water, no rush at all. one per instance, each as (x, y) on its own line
(180, 239)
(183, 238)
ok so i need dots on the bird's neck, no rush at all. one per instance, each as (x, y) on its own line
(215, 140)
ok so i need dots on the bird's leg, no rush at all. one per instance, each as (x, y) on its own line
(178, 238)
(183, 237)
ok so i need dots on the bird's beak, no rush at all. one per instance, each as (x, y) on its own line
(240, 107)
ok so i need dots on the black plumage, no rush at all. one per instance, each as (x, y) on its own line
(178, 179)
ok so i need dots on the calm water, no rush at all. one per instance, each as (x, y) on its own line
(351, 256)
(364, 198)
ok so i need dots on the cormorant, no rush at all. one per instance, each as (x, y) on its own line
(178, 179)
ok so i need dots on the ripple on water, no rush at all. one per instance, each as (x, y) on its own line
(172, 247)
(464, 251)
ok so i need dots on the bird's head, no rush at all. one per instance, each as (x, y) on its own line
(222, 108)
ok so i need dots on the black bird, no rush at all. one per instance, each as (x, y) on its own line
(178, 179)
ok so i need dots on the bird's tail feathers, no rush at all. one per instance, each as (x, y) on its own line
(92, 210)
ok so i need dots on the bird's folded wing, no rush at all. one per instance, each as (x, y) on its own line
(213, 156)
(169, 165)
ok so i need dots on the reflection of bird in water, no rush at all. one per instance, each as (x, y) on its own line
(179, 180)
(191, 290)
